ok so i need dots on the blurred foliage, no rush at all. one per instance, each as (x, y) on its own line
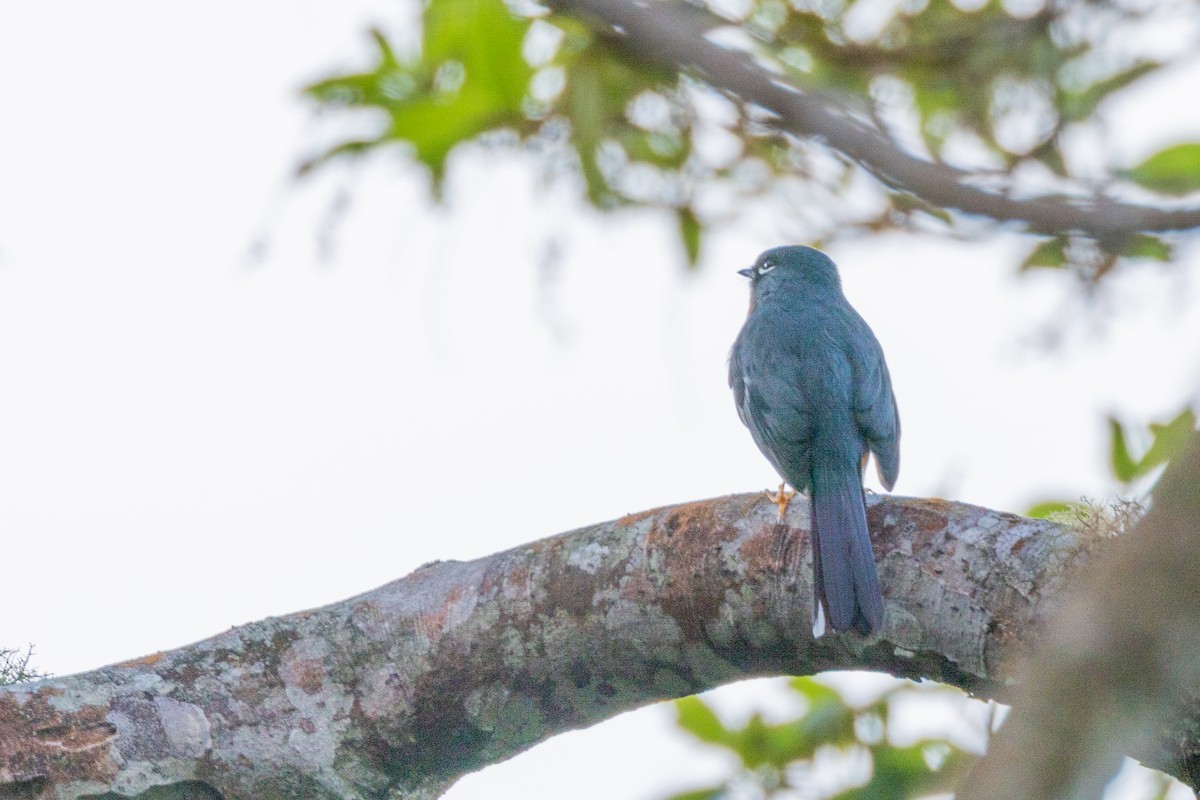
(1160, 443)
(1167, 440)
(15, 666)
(1094, 519)
(1174, 171)
(883, 750)
(854, 749)
(998, 89)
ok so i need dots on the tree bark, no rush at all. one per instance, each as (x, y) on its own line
(398, 692)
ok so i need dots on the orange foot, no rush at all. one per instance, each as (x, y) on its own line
(781, 499)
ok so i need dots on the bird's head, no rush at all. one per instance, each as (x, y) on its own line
(793, 266)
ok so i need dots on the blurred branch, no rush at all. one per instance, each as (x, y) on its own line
(402, 690)
(1117, 665)
(673, 36)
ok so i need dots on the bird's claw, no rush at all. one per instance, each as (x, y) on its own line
(781, 498)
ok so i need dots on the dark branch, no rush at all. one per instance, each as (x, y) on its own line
(672, 36)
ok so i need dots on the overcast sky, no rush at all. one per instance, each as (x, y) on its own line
(208, 416)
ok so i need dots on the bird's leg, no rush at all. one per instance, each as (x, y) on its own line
(781, 499)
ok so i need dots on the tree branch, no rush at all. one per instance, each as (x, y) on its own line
(672, 36)
(400, 691)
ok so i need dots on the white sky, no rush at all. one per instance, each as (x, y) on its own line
(191, 438)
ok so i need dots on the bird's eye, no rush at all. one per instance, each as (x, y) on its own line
(765, 267)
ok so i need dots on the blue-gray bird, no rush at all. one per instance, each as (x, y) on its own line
(812, 386)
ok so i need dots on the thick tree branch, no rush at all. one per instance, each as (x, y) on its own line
(1118, 664)
(672, 36)
(398, 692)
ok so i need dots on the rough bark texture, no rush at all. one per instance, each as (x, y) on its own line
(672, 36)
(398, 692)
(1119, 664)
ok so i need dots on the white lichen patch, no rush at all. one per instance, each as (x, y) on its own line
(316, 747)
(77, 694)
(1007, 542)
(321, 705)
(972, 535)
(588, 558)
(188, 731)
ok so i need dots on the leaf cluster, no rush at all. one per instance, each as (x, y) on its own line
(836, 750)
(780, 760)
(978, 87)
(1165, 441)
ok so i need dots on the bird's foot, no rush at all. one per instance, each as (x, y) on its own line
(781, 498)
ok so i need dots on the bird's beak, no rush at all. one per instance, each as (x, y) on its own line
(748, 272)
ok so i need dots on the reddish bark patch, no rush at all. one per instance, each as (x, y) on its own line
(144, 661)
(516, 580)
(769, 553)
(920, 525)
(631, 519)
(690, 538)
(311, 677)
(41, 743)
(433, 623)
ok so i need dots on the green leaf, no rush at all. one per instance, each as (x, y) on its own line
(386, 53)
(1048, 508)
(585, 97)
(480, 42)
(753, 743)
(1142, 246)
(485, 37)
(1169, 439)
(906, 202)
(1076, 106)
(1050, 253)
(471, 78)
(904, 772)
(601, 83)
(661, 149)
(1124, 467)
(827, 720)
(1174, 171)
(689, 231)
(343, 149)
(375, 88)
(698, 719)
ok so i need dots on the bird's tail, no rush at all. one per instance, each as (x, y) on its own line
(845, 582)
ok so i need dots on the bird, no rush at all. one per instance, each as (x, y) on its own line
(810, 382)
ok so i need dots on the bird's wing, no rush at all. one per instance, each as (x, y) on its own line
(737, 381)
(874, 402)
(772, 401)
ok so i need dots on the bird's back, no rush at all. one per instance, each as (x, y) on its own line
(811, 384)
(793, 378)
